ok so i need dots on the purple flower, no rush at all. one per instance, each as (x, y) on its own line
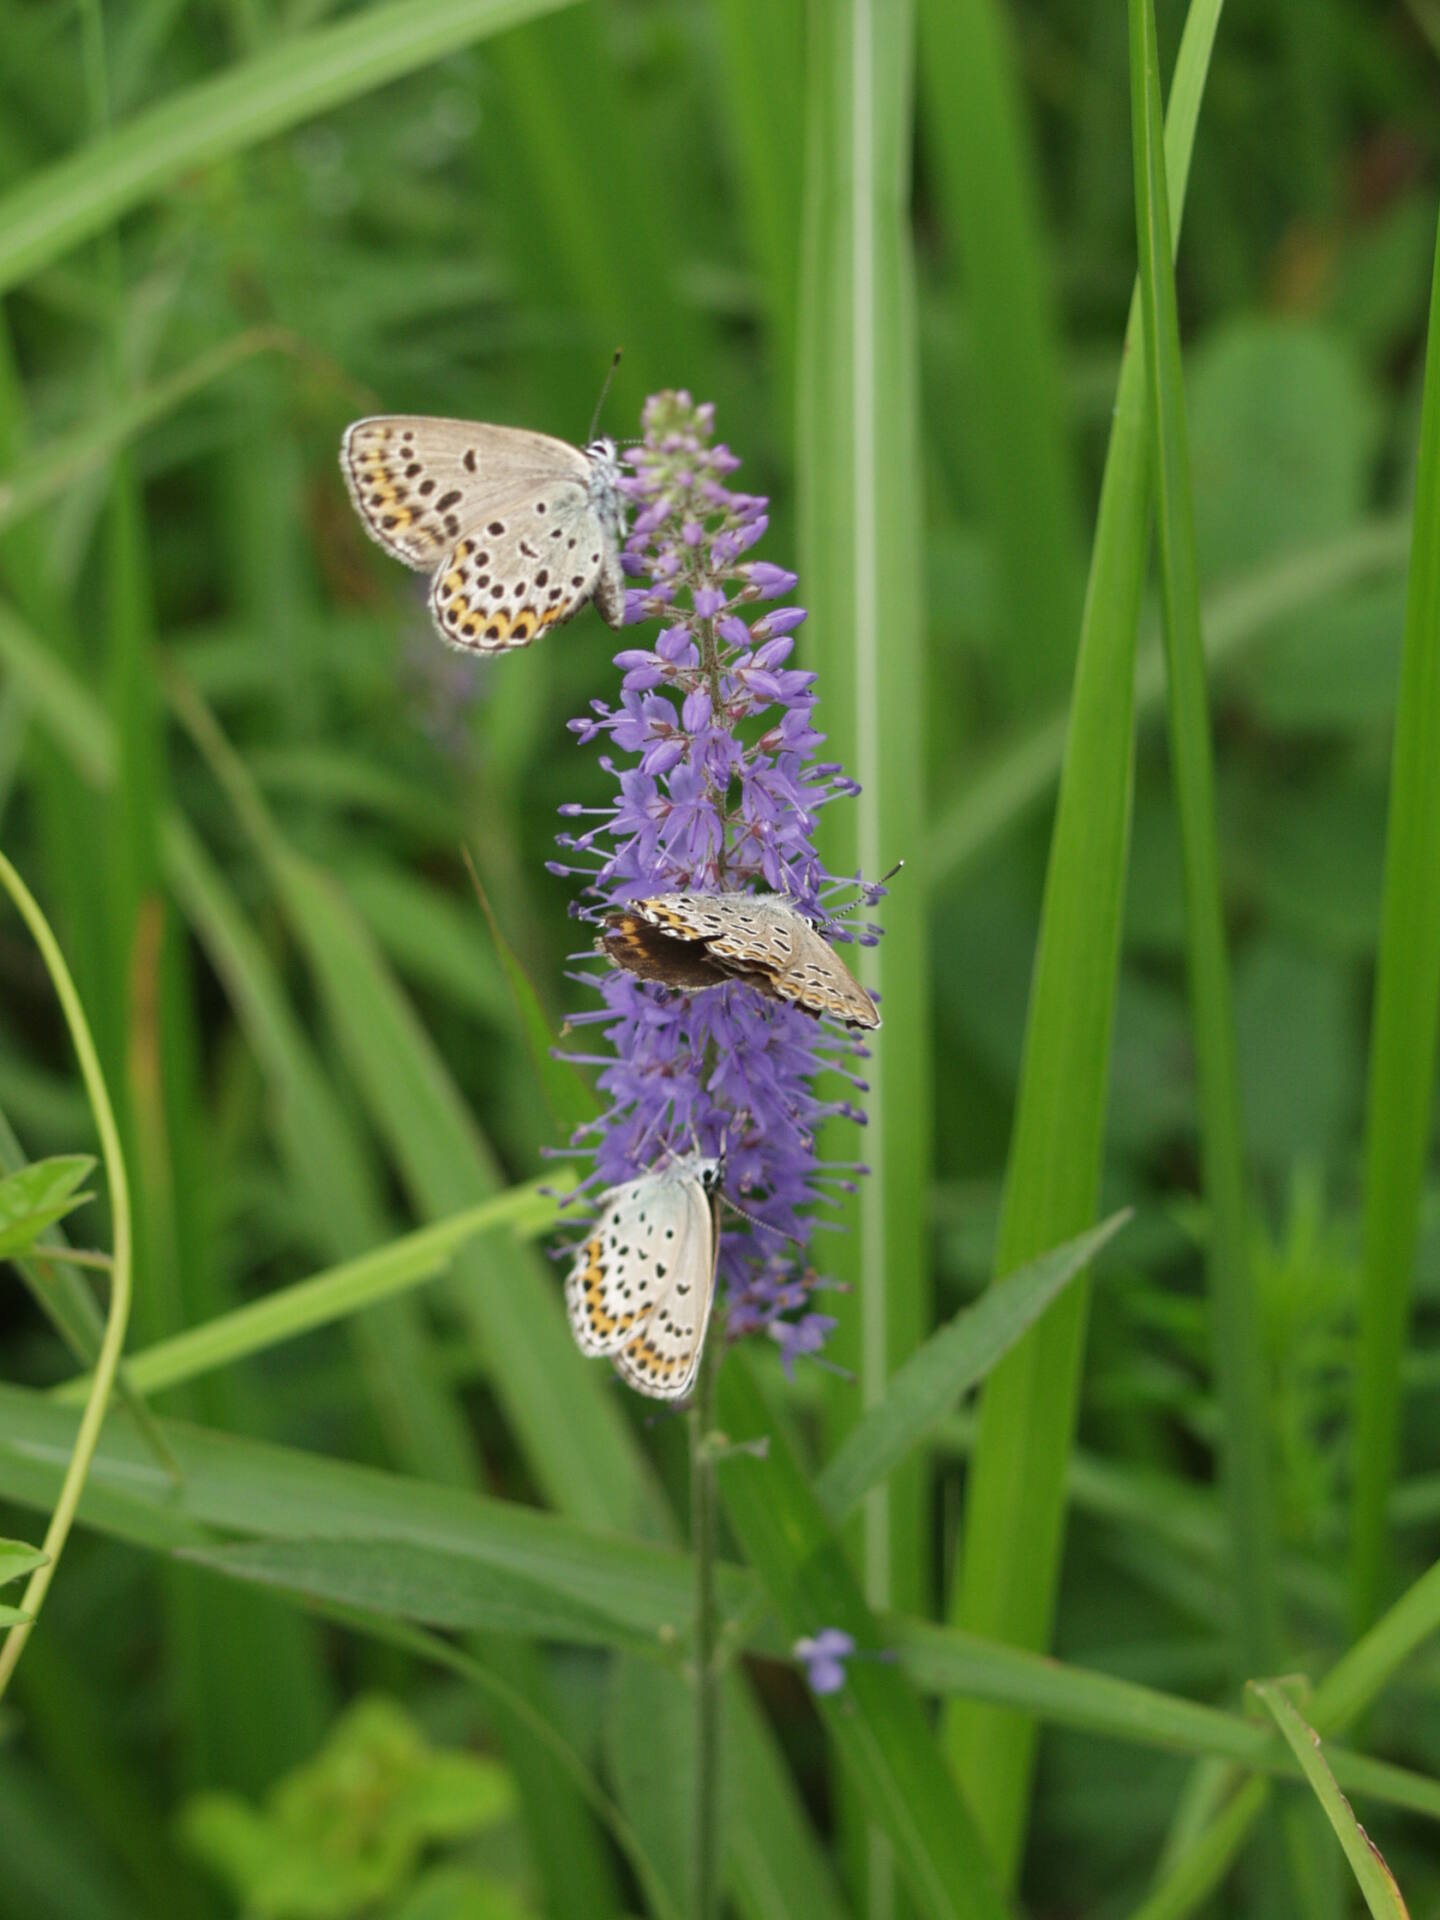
(824, 1657)
(717, 788)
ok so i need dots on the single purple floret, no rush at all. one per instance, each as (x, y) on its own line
(823, 1657)
(712, 746)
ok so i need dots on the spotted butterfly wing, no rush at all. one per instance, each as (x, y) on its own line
(520, 530)
(695, 940)
(643, 1282)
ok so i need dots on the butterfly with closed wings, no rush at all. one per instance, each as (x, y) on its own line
(519, 530)
(643, 1282)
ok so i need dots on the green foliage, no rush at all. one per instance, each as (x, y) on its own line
(349, 1828)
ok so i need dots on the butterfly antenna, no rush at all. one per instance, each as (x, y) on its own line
(867, 896)
(604, 389)
(767, 1226)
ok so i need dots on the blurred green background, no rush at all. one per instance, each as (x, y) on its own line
(237, 769)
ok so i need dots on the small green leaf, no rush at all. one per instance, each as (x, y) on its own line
(37, 1196)
(948, 1365)
(1372, 1876)
(17, 1559)
(13, 1617)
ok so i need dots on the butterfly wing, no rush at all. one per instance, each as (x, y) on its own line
(762, 940)
(520, 529)
(628, 1264)
(531, 565)
(630, 940)
(663, 1357)
(419, 483)
(818, 980)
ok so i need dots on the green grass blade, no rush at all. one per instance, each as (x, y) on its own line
(875, 1721)
(309, 73)
(1407, 997)
(292, 1311)
(1372, 1876)
(1202, 1867)
(1014, 1518)
(950, 1362)
(942, 1661)
(860, 511)
(1234, 1302)
(858, 475)
(428, 1586)
(249, 1491)
(989, 201)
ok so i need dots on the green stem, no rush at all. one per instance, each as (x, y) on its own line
(114, 1337)
(704, 1837)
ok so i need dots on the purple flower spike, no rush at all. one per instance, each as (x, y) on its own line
(712, 747)
(824, 1657)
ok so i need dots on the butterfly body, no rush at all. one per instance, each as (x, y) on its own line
(694, 940)
(519, 530)
(643, 1281)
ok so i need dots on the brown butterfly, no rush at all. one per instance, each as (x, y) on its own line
(690, 941)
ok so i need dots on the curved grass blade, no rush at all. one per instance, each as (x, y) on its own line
(1347, 1691)
(87, 1435)
(1372, 1876)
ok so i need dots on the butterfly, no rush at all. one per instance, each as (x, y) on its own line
(643, 1280)
(694, 940)
(519, 530)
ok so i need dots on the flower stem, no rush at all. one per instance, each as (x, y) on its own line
(704, 1860)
